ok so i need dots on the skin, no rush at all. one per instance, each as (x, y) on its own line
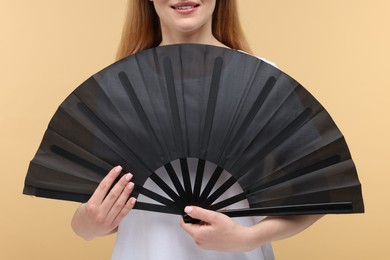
(221, 233)
(106, 208)
(102, 214)
(190, 28)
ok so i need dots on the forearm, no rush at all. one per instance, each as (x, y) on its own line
(222, 233)
(276, 228)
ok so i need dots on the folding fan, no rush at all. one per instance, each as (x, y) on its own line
(195, 121)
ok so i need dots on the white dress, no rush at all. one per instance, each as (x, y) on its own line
(144, 235)
(149, 235)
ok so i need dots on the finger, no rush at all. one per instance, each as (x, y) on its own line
(115, 193)
(204, 215)
(120, 202)
(191, 229)
(198, 232)
(105, 185)
(126, 209)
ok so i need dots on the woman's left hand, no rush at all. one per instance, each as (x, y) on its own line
(216, 231)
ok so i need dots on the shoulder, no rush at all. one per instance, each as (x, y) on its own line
(260, 58)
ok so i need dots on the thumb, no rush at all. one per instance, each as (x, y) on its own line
(204, 215)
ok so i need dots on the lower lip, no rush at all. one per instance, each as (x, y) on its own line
(185, 11)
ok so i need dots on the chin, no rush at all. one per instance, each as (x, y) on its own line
(192, 27)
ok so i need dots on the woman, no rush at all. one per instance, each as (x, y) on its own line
(147, 235)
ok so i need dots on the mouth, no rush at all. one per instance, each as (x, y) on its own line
(185, 6)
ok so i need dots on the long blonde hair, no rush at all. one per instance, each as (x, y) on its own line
(142, 27)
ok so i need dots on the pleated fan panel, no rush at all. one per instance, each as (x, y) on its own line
(199, 125)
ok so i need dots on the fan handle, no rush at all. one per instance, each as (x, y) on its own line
(319, 208)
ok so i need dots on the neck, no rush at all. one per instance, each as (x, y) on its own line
(199, 37)
(180, 39)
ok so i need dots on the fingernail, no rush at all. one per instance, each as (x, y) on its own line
(132, 200)
(131, 185)
(128, 176)
(118, 169)
(188, 209)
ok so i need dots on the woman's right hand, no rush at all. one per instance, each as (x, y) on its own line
(106, 208)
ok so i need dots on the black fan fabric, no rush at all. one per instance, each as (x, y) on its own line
(213, 104)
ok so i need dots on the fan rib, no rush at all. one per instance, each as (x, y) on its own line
(110, 134)
(138, 107)
(211, 104)
(186, 179)
(45, 170)
(86, 149)
(156, 208)
(307, 209)
(185, 133)
(325, 149)
(300, 172)
(258, 103)
(172, 98)
(199, 178)
(54, 194)
(236, 153)
(278, 139)
(227, 202)
(175, 180)
(211, 183)
(70, 156)
(255, 108)
(140, 189)
(221, 190)
(260, 198)
(95, 93)
(154, 177)
(78, 160)
(152, 195)
(305, 156)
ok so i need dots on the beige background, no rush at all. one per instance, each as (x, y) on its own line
(339, 50)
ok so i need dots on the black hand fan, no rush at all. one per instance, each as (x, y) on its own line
(212, 112)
